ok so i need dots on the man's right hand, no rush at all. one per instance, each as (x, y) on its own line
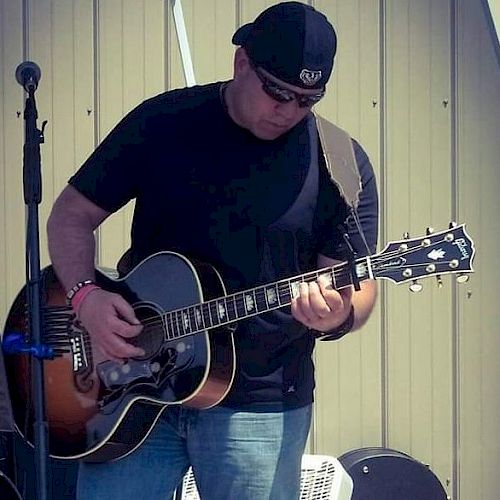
(109, 320)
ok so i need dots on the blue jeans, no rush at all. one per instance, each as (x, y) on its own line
(235, 455)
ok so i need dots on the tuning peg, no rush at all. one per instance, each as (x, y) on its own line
(415, 287)
(452, 225)
(429, 230)
(406, 235)
(462, 278)
(439, 281)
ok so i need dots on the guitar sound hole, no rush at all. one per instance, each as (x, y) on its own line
(152, 335)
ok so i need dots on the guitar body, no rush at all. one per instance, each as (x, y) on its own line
(98, 409)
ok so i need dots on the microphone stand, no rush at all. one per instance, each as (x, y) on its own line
(32, 198)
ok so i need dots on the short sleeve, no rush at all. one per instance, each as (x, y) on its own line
(109, 177)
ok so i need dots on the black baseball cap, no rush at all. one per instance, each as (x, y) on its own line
(293, 42)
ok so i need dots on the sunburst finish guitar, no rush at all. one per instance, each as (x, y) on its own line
(98, 409)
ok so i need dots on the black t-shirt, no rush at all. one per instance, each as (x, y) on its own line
(258, 211)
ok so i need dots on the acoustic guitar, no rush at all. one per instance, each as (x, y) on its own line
(98, 409)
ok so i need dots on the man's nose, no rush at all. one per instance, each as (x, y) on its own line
(287, 109)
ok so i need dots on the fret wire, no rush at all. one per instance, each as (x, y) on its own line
(182, 317)
(192, 319)
(211, 312)
(334, 281)
(221, 313)
(172, 326)
(226, 306)
(231, 302)
(181, 327)
(209, 316)
(202, 316)
(235, 306)
(197, 315)
(260, 299)
(188, 317)
(265, 297)
(243, 305)
(256, 306)
(288, 292)
(164, 320)
(169, 329)
(235, 303)
(278, 295)
(212, 305)
(180, 322)
(174, 332)
(185, 325)
(282, 292)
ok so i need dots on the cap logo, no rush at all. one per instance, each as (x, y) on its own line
(310, 77)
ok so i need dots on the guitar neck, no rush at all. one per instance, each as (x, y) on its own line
(230, 308)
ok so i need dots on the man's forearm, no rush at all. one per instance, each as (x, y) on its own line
(71, 240)
(363, 302)
(72, 250)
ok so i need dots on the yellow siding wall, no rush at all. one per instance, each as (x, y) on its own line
(418, 194)
(417, 83)
(477, 200)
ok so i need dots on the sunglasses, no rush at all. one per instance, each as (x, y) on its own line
(280, 94)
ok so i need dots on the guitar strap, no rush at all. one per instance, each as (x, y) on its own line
(338, 153)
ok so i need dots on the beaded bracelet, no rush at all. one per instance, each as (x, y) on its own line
(71, 293)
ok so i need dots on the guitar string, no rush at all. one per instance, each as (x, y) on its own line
(282, 288)
(150, 324)
(283, 285)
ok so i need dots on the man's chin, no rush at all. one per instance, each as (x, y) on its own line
(269, 133)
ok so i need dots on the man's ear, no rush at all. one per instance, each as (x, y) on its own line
(241, 65)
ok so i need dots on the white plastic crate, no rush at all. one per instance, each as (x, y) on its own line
(322, 478)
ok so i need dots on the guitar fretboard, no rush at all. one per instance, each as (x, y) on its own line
(230, 308)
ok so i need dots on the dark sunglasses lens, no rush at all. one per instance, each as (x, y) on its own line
(309, 100)
(277, 93)
(284, 95)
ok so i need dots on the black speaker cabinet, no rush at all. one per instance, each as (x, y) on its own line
(385, 474)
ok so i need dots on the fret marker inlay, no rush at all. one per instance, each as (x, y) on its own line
(185, 319)
(222, 311)
(198, 317)
(271, 296)
(249, 303)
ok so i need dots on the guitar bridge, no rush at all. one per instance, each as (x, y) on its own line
(78, 354)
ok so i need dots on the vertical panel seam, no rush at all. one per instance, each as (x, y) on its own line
(51, 57)
(454, 201)
(382, 218)
(75, 76)
(313, 438)
(97, 112)
(25, 29)
(166, 45)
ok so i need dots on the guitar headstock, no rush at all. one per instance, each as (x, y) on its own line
(437, 253)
